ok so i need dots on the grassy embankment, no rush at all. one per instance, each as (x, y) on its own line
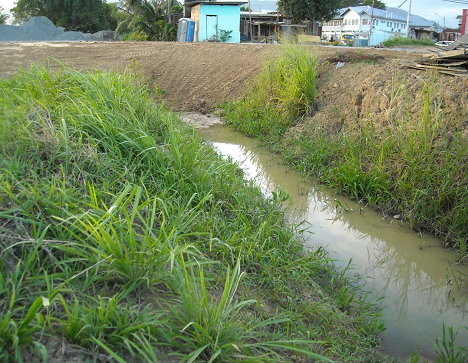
(122, 236)
(413, 165)
(398, 41)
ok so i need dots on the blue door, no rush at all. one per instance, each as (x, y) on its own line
(212, 27)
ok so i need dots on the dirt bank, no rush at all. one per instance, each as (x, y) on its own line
(383, 91)
(192, 76)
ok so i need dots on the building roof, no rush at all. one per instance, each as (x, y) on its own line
(415, 20)
(389, 13)
(214, 2)
(258, 14)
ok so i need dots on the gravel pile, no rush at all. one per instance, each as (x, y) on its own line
(41, 28)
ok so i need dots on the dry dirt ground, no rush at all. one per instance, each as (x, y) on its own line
(193, 76)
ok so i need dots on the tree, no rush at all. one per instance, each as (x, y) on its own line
(245, 8)
(147, 17)
(375, 3)
(308, 9)
(79, 15)
(3, 17)
(151, 19)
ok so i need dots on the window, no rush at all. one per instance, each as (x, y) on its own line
(388, 24)
(365, 21)
(355, 21)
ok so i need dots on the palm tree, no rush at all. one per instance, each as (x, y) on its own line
(149, 16)
(3, 17)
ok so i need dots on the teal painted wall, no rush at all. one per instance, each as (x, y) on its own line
(227, 18)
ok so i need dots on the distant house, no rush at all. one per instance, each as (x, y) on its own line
(262, 25)
(371, 26)
(267, 26)
(216, 20)
(332, 29)
(420, 28)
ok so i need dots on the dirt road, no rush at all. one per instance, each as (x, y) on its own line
(193, 76)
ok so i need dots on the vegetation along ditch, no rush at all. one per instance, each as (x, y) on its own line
(398, 143)
(125, 238)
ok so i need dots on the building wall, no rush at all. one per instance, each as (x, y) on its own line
(228, 18)
(195, 16)
(352, 22)
(383, 29)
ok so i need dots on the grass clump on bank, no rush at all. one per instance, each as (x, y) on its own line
(408, 163)
(397, 41)
(125, 238)
(282, 93)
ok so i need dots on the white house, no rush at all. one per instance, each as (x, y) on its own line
(356, 22)
(332, 29)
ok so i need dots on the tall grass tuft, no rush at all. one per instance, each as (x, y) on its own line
(101, 193)
(282, 93)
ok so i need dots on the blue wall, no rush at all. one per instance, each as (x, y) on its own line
(227, 18)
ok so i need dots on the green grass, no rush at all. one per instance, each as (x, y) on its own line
(413, 165)
(281, 94)
(397, 41)
(447, 351)
(124, 237)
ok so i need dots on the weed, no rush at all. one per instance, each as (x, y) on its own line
(284, 92)
(447, 352)
(397, 41)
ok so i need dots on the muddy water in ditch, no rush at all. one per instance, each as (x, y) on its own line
(421, 284)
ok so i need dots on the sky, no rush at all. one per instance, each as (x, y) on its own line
(430, 9)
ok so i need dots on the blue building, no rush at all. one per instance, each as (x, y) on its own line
(216, 20)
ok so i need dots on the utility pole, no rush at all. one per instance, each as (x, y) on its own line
(371, 23)
(250, 23)
(408, 31)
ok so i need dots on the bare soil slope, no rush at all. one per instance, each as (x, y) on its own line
(383, 91)
(193, 76)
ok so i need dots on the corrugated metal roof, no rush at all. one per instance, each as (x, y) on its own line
(415, 20)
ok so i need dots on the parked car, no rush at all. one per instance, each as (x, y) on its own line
(347, 39)
(444, 43)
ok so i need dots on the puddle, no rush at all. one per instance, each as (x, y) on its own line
(422, 285)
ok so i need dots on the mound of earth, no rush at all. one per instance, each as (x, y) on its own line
(40, 28)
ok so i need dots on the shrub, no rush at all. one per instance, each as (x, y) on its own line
(283, 93)
(135, 36)
(398, 40)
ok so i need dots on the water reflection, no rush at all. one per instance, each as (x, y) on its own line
(422, 287)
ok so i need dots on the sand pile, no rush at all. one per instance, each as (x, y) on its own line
(41, 28)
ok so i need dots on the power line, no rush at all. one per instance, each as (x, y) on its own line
(464, 2)
(403, 3)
